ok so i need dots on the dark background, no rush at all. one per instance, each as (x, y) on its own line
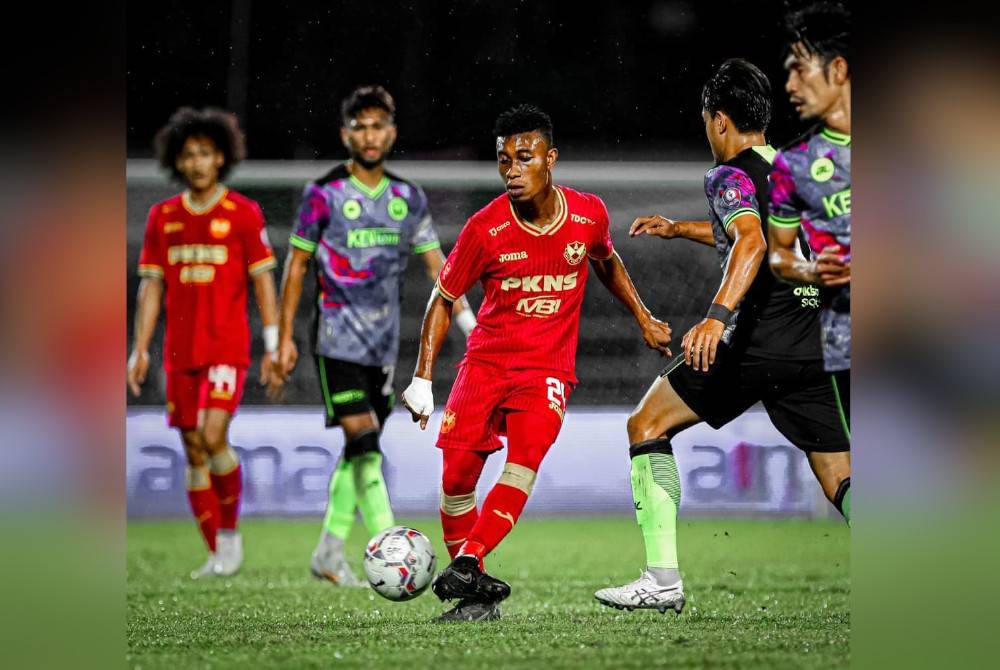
(620, 79)
(622, 82)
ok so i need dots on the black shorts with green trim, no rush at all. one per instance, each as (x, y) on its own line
(800, 397)
(349, 388)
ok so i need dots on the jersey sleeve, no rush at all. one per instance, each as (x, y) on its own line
(260, 256)
(731, 193)
(425, 237)
(314, 214)
(602, 248)
(152, 258)
(465, 265)
(784, 212)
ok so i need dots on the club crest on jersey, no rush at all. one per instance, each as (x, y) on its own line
(821, 170)
(447, 421)
(219, 228)
(351, 209)
(575, 252)
(398, 209)
(732, 196)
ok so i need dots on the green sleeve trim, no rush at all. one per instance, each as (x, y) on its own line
(426, 246)
(740, 212)
(302, 243)
(785, 221)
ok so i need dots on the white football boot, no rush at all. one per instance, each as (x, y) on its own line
(330, 564)
(644, 593)
(228, 552)
(207, 570)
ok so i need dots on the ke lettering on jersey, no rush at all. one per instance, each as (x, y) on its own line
(204, 256)
(533, 280)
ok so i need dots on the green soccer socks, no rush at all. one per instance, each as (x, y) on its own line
(656, 492)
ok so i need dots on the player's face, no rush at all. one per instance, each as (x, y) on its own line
(810, 89)
(525, 163)
(713, 133)
(199, 162)
(369, 136)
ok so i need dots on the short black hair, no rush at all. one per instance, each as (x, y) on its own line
(742, 91)
(823, 28)
(524, 119)
(366, 97)
(219, 125)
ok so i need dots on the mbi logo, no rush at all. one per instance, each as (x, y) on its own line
(539, 305)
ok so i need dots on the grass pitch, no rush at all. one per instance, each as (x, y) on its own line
(767, 594)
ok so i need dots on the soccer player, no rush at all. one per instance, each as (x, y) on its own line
(811, 180)
(360, 224)
(529, 248)
(758, 342)
(201, 249)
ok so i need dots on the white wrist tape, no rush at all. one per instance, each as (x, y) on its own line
(270, 339)
(466, 321)
(419, 397)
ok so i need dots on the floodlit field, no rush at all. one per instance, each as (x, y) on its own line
(768, 594)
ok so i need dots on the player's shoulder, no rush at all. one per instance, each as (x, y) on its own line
(236, 201)
(493, 214)
(799, 146)
(585, 204)
(166, 207)
(404, 188)
(336, 173)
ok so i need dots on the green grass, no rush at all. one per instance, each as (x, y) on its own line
(768, 594)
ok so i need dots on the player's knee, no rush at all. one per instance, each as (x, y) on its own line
(215, 441)
(365, 443)
(642, 426)
(194, 448)
(457, 504)
(518, 476)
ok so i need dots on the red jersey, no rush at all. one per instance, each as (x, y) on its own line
(204, 256)
(533, 280)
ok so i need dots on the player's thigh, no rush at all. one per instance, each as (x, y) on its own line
(182, 399)
(380, 391)
(660, 412)
(534, 408)
(471, 416)
(804, 406)
(220, 390)
(344, 387)
(716, 397)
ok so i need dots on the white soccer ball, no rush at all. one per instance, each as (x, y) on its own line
(400, 563)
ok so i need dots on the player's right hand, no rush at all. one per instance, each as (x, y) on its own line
(831, 268)
(288, 356)
(654, 225)
(138, 366)
(419, 399)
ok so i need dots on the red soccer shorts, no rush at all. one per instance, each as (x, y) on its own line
(190, 391)
(474, 416)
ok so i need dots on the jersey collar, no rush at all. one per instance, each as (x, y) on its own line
(835, 137)
(220, 193)
(372, 193)
(552, 227)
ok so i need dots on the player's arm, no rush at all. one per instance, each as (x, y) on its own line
(267, 303)
(147, 311)
(296, 266)
(463, 316)
(701, 342)
(659, 226)
(612, 273)
(829, 268)
(437, 319)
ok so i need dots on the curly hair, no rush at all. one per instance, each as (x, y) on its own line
(523, 119)
(219, 125)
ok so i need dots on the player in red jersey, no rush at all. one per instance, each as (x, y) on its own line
(529, 249)
(199, 250)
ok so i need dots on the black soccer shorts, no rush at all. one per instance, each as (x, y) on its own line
(799, 396)
(350, 388)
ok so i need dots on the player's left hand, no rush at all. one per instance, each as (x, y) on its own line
(419, 399)
(832, 268)
(270, 375)
(656, 334)
(701, 342)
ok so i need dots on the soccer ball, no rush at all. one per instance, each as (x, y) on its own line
(400, 563)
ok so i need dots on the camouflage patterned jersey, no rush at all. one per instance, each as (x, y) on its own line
(361, 239)
(811, 188)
